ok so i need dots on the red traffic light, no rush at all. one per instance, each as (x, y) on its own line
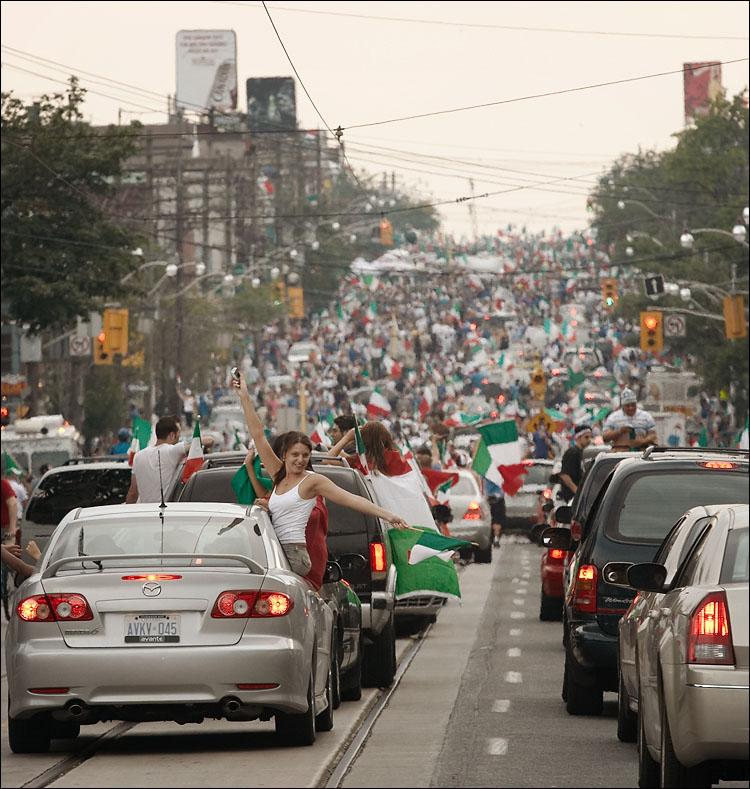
(650, 323)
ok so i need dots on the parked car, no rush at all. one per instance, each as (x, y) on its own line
(525, 509)
(471, 515)
(183, 613)
(554, 562)
(366, 637)
(692, 659)
(631, 516)
(79, 483)
(672, 554)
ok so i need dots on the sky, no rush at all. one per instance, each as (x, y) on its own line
(435, 56)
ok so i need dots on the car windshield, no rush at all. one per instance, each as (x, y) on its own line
(464, 487)
(58, 493)
(144, 534)
(734, 568)
(654, 502)
(538, 475)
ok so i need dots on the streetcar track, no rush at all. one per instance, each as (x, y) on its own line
(76, 760)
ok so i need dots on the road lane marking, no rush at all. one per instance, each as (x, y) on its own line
(514, 652)
(517, 615)
(497, 746)
(524, 581)
(501, 705)
(515, 632)
(514, 580)
(519, 601)
(521, 590)
(514, 677)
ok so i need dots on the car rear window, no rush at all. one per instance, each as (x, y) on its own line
(537, 475)
(58, 493)
(464, 487)
(734, 568)
(180, 534)
(653, 502)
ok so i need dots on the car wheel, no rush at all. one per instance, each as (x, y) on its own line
(550, 608)
(324, 720)
(483, 555)
(298, 728)
(581, 699)
(30, 735)
(380, 659)
(672, 773)
(648, 767)
(627, 720)
(351, 682)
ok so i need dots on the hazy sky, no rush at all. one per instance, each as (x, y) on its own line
(364, 70)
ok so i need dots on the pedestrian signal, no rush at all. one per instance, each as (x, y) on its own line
(610, 296)
(652, 332)
(735, 327)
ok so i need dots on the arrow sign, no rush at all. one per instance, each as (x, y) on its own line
(654, 285)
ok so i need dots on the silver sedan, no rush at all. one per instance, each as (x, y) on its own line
(179, 614)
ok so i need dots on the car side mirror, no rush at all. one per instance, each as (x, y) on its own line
(616, 573)
(648, 577)
(556, 537)
(564, 514)
(333, 573)
(535, 533)
(351, 561)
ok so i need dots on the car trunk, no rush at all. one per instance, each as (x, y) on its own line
(611, 604)
(178, 615)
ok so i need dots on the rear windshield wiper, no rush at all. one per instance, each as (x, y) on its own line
(80, 549)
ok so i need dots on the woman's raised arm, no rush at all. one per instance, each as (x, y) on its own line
(255, 427)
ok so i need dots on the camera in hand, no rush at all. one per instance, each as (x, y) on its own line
(236, 373)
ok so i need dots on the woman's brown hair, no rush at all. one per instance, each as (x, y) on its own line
(377, 440)
(282, 445)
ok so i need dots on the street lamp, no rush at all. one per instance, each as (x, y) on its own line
(746, 215)
(739, 233)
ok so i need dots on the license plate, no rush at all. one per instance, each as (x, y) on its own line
(152, 629)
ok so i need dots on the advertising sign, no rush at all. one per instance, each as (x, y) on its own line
(206, 70)
(702, 83)
(271, 103)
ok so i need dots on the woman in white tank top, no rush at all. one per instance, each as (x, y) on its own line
(296, 487)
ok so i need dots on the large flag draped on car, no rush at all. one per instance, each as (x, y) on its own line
(243, 487)
(429, 574)
(195, 454)
(498, 456)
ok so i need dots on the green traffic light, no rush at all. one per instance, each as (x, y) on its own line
(610, 301)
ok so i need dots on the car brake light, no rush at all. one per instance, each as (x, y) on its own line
(710, 639)
(721, 465)
(556, 553)
(547, 493)
(473, 512)
(377, 557)
(55, 608)
(234, 604)
(272, 604)
(152, 577)
(584, 591)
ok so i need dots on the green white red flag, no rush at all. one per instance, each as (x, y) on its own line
(498, 456)
(195, 454)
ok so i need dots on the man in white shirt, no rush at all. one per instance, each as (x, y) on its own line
(155, 468)
(629, 427)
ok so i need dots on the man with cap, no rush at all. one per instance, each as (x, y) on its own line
(629, 427)
(570, 471)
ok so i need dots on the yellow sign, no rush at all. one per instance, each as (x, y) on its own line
(296, 301)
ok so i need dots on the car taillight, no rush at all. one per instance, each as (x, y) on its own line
(547, 493)
(473, 512)
(55, 608)
(247, 603)
(584, 592)
(377, 557)
(710, 639)
(152, 577)
(719, 465)
(557, 554)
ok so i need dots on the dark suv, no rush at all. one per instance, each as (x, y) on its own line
(634, 510)
(357, 541)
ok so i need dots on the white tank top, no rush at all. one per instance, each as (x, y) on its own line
(290, 513)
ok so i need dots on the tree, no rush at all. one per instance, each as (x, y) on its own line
(61, 255)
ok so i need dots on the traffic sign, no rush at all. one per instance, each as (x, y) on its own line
(675, 326)
(80, 346)
(654, 285)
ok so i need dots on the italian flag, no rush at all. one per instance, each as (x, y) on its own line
(378, 405)
(195, 455)
(498, 456)
(421, 570)
(425, 404)
(439, 480)
(392, 367)
(320, 435)
(459, 418)
(361, 451)
(135, 446)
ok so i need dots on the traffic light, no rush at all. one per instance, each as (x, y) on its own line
(735, 327)
(115, 327)
(652, 332)
(386, 233)
(609, 293)
(4, 416)
(296, 302)
(101, 351)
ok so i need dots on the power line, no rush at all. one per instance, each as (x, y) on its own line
(530, 97)
(487, 26)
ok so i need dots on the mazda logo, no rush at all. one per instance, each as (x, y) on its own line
(151, 589)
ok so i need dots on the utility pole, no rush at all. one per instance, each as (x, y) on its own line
(179, 302)
(318, 174)
(473, 212)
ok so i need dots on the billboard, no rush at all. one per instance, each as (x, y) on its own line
(702, 83)
(271, 103)
(206, 70)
